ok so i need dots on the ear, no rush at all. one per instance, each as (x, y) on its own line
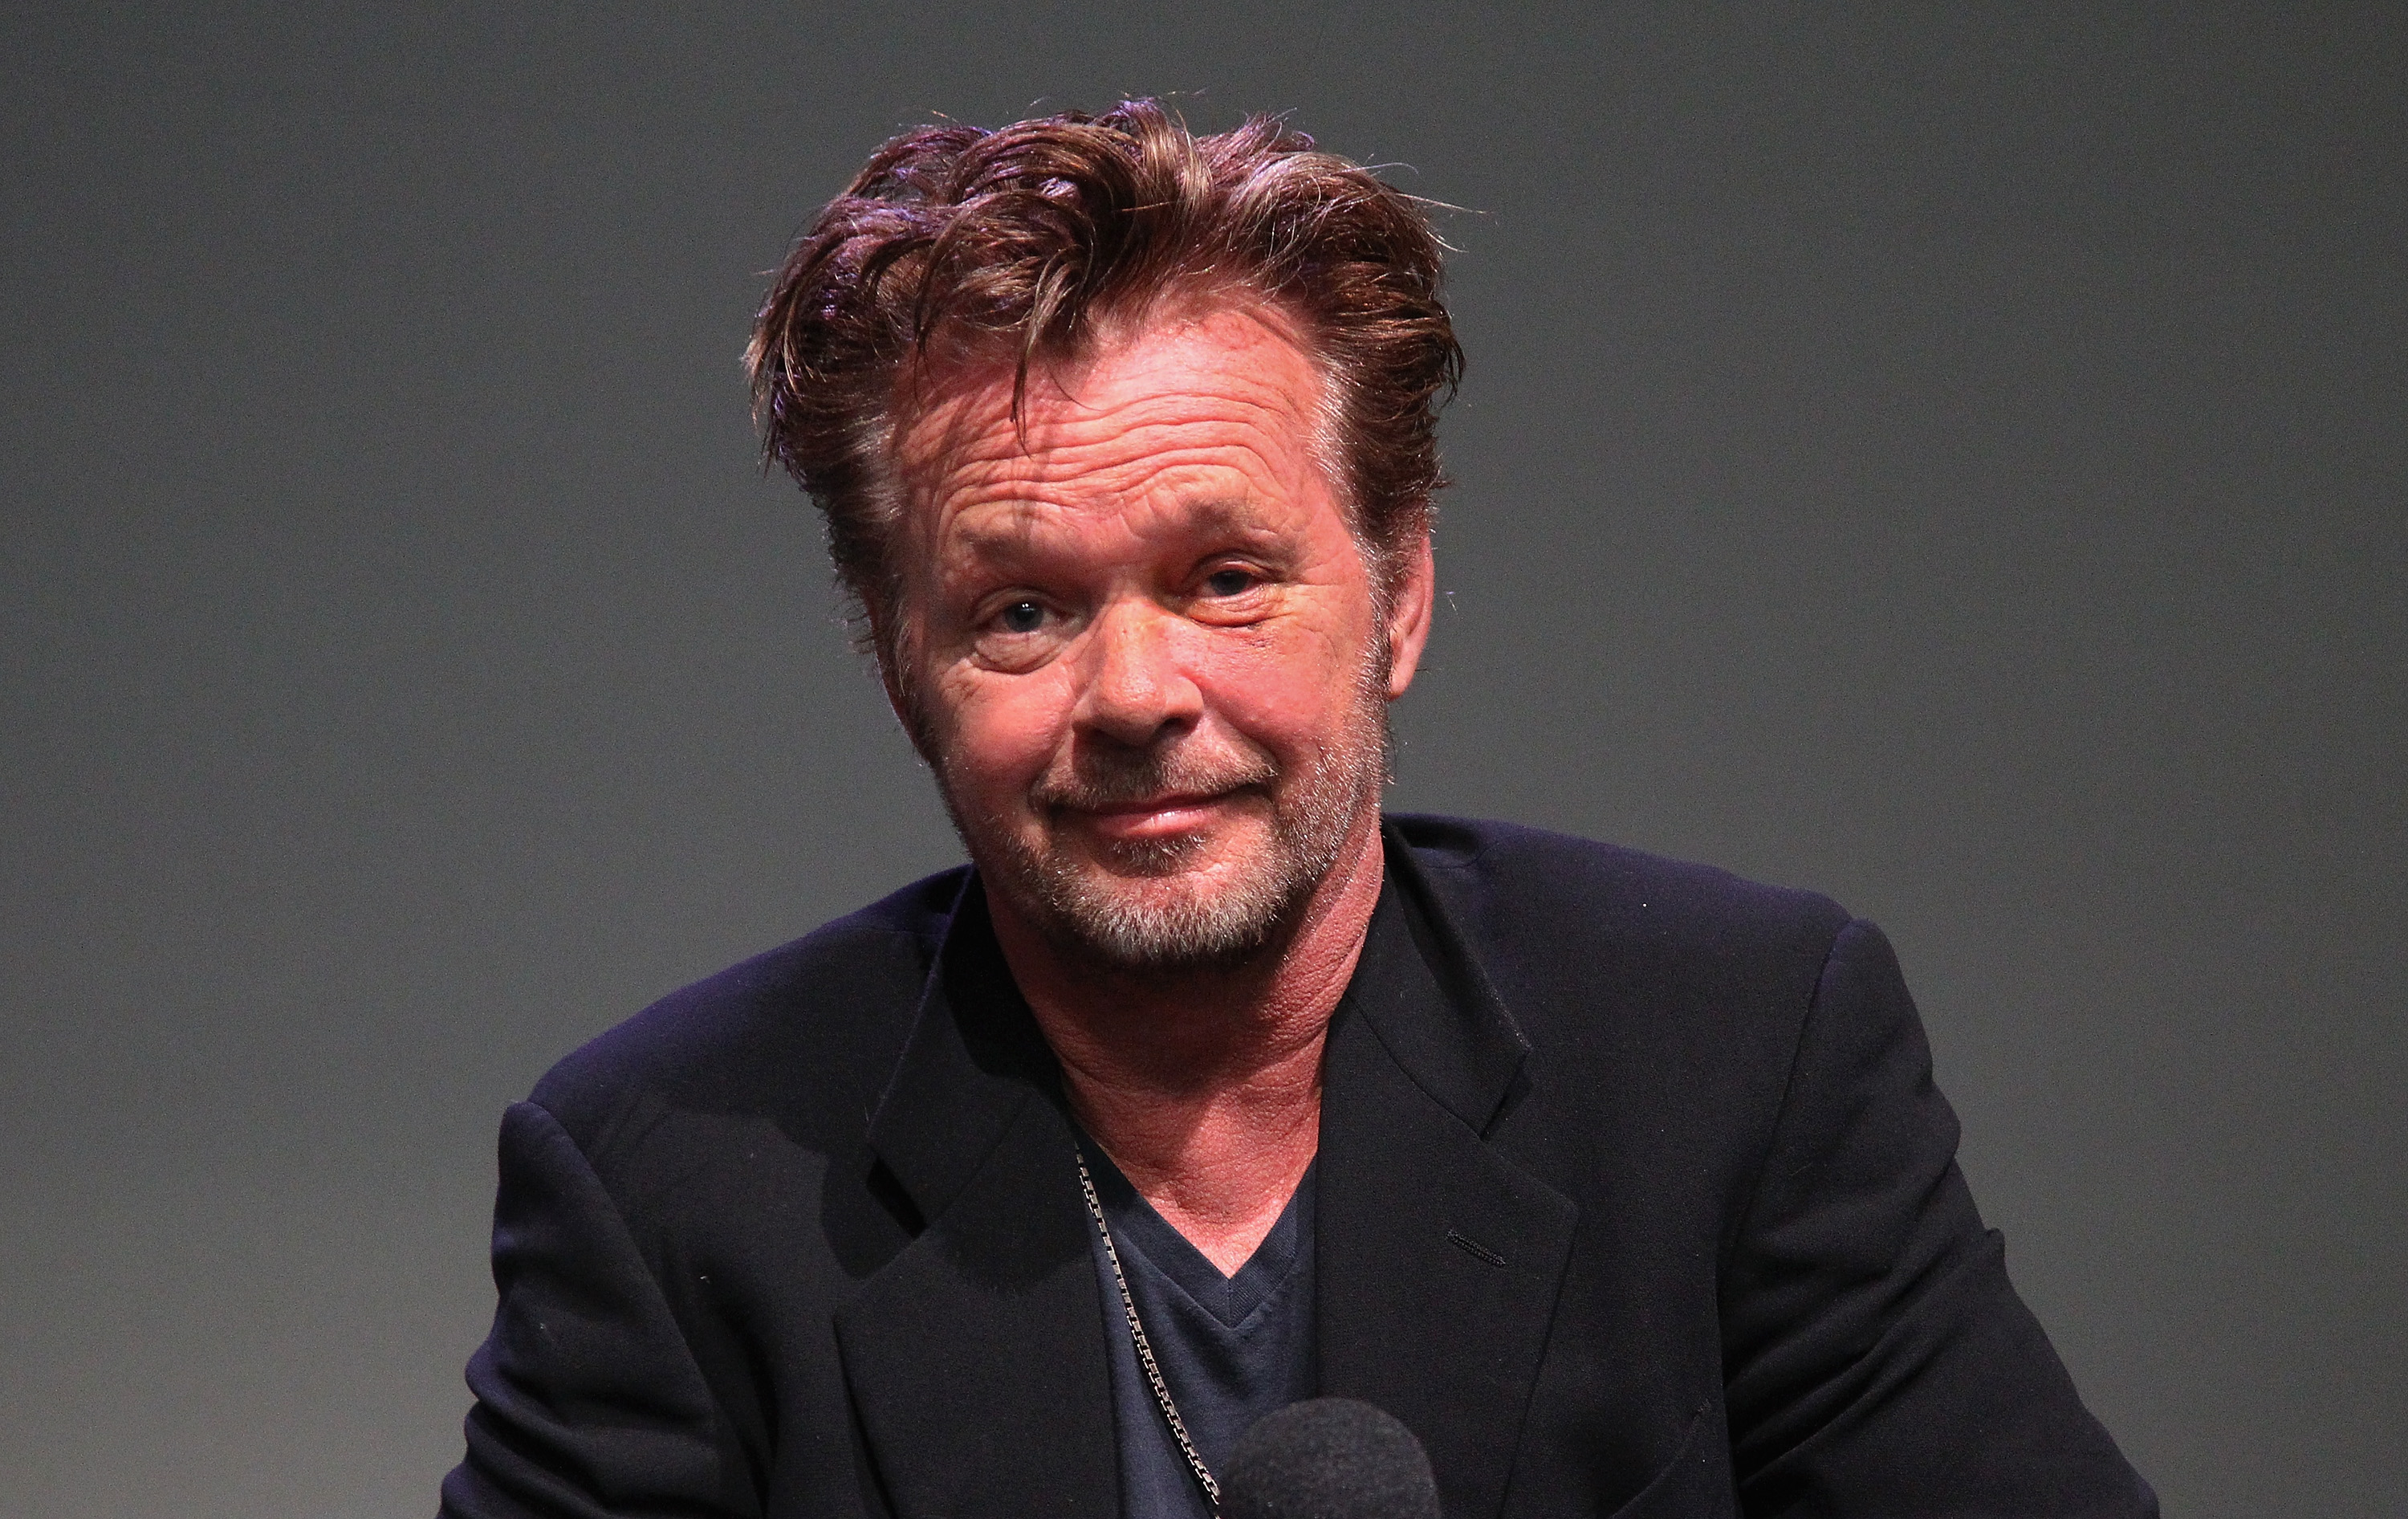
(894, 687)
(889, 651)
(1409, 602)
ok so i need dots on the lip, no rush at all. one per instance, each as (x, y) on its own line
(1156, 817)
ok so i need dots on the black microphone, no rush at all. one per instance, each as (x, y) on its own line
(1328, 1458)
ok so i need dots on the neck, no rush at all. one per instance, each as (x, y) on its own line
(1204, 1086)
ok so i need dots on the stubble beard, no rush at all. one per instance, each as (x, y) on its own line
(1143, 905)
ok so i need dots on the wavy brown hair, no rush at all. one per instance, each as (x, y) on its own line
(1021, 245)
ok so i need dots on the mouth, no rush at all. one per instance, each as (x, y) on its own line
(1153, 818)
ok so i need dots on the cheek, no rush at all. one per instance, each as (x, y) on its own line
(1000, 732)
(1293, 690)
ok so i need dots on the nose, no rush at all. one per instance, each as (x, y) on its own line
(1135, 689)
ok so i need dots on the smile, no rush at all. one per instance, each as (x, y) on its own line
(1159, 817)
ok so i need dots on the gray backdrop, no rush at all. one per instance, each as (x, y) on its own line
(1950, 458)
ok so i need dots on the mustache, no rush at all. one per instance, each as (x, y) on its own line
(1099, 777)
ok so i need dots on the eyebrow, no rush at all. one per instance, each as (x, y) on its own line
(1013, 535)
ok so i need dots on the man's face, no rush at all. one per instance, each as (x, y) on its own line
(1145, 658)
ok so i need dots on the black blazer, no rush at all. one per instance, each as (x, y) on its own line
(1634, 1198)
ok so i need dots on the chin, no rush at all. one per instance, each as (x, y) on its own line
(1158, 904)
(1149, 928)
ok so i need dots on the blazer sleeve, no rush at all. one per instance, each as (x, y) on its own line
(1876, 1360)
(588, 1402)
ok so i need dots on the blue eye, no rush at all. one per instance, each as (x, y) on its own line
(1022, 617)
(1229, 582)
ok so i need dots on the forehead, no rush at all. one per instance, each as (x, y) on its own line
(1218, 413)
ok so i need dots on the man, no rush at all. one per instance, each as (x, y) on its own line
(1203, 1089)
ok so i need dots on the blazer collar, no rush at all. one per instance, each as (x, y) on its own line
(1439, 1259)
(976, 1357)
(974, 1058)
(1418, 984)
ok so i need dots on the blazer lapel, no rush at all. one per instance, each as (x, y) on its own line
(1438, 1260)
(976, 1357)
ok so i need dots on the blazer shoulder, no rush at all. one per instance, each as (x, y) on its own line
(1663, 1003)
(769, 1032)
(1519, 881)
(1566, 927)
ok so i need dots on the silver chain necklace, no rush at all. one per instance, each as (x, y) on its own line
(1145, 1350)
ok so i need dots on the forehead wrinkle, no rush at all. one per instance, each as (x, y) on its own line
(1009, 530)
(1091, 446)
(1226, 474)
(1194, 471)
(971, 421)
(1003, 496)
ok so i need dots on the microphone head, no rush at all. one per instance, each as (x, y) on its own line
(1328, 1458)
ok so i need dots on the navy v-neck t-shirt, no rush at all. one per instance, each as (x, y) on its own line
(1232, 1349)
